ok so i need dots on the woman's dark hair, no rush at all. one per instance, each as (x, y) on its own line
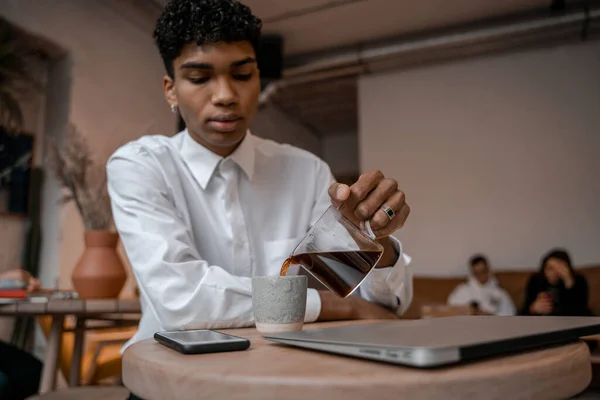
(201, 22)
(559, 254)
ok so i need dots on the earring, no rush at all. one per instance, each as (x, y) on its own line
(173, 108)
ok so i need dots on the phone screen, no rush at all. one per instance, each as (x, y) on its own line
(200, 336)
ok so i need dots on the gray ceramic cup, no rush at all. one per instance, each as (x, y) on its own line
(279, 303)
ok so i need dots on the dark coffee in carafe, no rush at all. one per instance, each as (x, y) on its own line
(340, 271)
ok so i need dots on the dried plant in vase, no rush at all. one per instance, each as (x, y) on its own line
(83, 180)
(99, 272)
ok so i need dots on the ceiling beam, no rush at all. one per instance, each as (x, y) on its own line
(297, 119)
(142, 13)
(309, 10)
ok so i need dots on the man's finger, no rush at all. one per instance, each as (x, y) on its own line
(338, 193)
(367, 208)
(380, 219)
(396, 223)
(361, 189)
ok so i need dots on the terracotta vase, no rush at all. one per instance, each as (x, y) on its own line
(99, 273)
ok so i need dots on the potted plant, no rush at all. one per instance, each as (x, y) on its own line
(99, 272)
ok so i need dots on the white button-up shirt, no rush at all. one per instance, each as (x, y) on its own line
(196, 227)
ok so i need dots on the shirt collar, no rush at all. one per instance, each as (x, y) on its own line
(203, 162)
(244, 155)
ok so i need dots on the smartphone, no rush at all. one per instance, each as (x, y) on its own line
(201, 341)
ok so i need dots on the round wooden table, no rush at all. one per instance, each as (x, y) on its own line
(273, 371)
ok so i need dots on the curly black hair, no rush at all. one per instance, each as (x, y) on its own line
(203, 21)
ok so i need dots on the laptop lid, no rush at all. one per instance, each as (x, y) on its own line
(441, 341)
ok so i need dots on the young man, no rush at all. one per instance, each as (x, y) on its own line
(482, 291)
(202, 212)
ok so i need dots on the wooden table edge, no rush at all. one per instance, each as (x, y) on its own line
(578, 355)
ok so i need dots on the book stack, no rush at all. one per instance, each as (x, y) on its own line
(12, 289)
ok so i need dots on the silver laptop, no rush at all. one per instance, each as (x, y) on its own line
(437, 342)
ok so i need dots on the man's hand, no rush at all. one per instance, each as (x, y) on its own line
(22, 276)
(365, 200)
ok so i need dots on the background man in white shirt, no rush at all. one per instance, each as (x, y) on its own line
(482, 291)
(202, 212)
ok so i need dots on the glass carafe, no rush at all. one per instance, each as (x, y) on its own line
(337, 253)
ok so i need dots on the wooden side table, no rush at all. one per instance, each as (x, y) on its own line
(272, 370)
(595, 358)
(82, 310)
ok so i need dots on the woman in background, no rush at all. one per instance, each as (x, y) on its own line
(556, 289)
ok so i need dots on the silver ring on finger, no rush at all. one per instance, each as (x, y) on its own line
(388, 211)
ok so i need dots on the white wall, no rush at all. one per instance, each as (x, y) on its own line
(496, 155)
(115, 93)
(341, 153)
(270, 123)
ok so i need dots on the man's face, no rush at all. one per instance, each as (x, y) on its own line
(481, 272)
(216, 90)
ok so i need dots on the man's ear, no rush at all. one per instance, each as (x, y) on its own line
(169, 90)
